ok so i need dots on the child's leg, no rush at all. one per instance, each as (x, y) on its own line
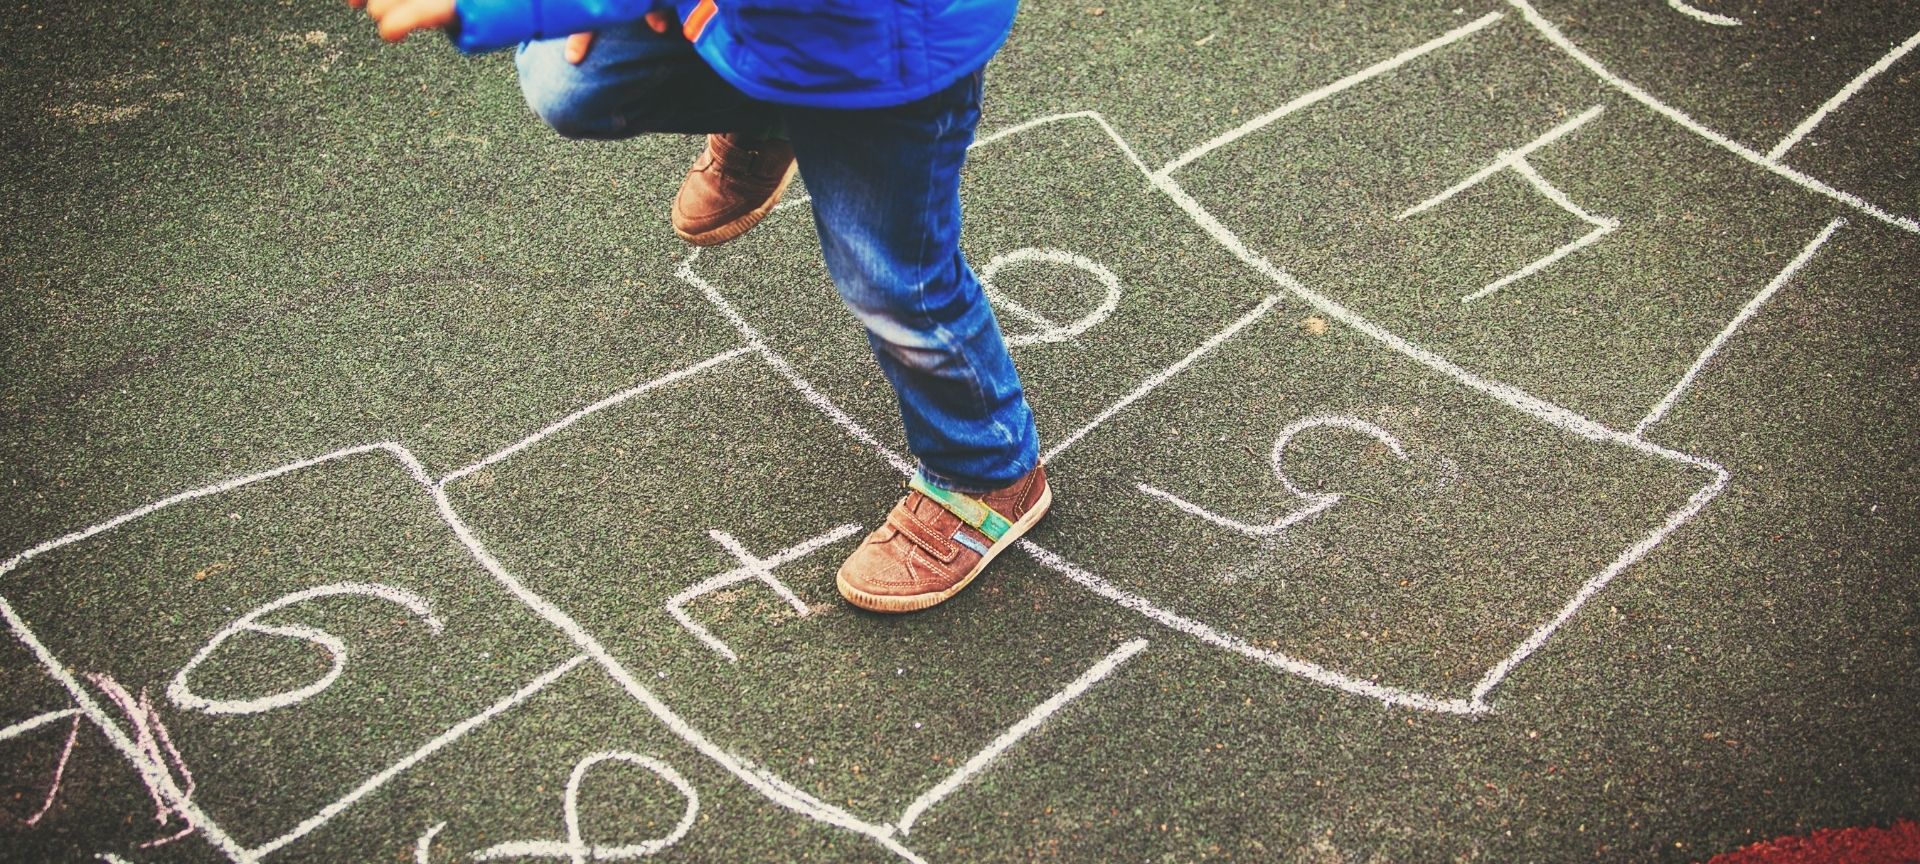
(886, 200)
(633, 81)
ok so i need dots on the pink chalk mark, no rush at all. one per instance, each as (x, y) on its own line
(59, 772)
(150, 737)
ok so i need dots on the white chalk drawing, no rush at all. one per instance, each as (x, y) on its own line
(1516, 161)
(423, 846)
(1852, 87)
(1786, 275)
(1703, 15)
(751, 567)
(575, 848)
(1638, 94)
(1094, 675)
(183, 695)
(1311, 503)
(148, 748)
(1539, 409)
(1046, 329)
(59, 765)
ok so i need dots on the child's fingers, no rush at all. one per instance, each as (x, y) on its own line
(658, 22)
(378, 9)
(577, 46)
(411, 15)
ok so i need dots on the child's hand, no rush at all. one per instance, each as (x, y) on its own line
(578, 43)
(397, 18)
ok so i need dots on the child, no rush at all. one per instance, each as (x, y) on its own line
(877, 101)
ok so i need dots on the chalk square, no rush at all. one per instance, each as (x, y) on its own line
(1605, 330)
(1034, 195)
(1458, 524)
(865, 712)
(128, 608)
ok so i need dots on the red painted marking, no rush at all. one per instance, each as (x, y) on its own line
(1897, 844)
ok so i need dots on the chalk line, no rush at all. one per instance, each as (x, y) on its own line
(1633, 91)
(1314, 96)
(60, 766)
(751, 567)
(36, 722)
(1602, 226)
(1779, 150)
(452, 734)
(1503, 162)
(1516, 161)
(424, 845)
(1699, 500)
(1315, 503)
(1205, 633)
(1698, 14)
(1163, 376)
(413, 467)
(786, 370)
(1049, 331)
(1094, 675)
(617, 398)
(575, 847)
(1793, 267)
(184, 697)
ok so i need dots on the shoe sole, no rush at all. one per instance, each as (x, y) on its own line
(721, 234)
(894, 603)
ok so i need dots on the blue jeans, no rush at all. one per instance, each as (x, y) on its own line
(886, 202)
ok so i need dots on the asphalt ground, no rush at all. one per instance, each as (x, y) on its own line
(241, 238)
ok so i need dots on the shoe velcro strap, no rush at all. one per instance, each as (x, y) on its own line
(971, 510)
(922, 535)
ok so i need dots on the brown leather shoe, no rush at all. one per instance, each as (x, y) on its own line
(935, 542)
(731, 187)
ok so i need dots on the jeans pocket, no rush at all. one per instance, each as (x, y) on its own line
(821, 47)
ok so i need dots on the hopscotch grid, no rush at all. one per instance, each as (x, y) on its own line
(784, 794)
(1513, 397)
(1785, 275)
(1633, 91)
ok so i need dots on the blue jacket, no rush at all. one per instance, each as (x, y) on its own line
(817, 53)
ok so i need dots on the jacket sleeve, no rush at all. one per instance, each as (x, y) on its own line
(489, 25)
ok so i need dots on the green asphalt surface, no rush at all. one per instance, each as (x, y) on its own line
(238, 236)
